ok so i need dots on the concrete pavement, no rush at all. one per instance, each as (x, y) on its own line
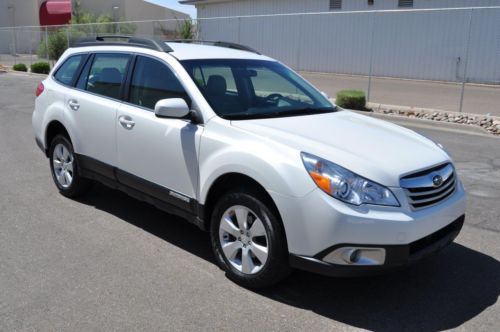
(109, 262)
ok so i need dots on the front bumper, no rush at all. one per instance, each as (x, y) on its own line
(396, 256)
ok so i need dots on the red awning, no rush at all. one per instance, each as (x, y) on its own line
(55, 12)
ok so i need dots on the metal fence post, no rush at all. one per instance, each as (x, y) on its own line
(299, 42)
(370, 68)
(67, 35)
(47, 42)
(14, 46)
(466, 62)
(31, 49)
(239, 30)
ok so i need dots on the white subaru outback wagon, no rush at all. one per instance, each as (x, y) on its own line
(242, 146)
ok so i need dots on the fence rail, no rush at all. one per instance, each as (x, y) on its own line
(457, 46)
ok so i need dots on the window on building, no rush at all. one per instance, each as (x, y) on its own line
(405, 3)
(335, 4)
(370, 2)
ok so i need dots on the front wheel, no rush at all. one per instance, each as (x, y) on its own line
(248, 241)
(65, 169)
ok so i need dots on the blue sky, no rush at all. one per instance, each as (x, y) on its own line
(174, 4)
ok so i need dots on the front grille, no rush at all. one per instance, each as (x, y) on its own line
(424, 188)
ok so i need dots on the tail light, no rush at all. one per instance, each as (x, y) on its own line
(39, 89)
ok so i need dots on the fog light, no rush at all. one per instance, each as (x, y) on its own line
(356, 256)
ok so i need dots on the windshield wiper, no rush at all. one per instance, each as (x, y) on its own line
(276, 114)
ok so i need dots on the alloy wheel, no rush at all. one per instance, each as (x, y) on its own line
(62, 160)
(243, 239)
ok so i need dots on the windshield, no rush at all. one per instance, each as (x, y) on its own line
(250, 89)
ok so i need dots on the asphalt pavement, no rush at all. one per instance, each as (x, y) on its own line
(109, 262)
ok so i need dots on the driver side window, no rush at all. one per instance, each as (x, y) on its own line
(152, 81)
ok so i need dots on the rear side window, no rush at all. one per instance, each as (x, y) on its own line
(66, 73)
(106, 74)
(152, 81)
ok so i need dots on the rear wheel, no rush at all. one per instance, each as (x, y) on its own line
(248, 240)
(64, 168)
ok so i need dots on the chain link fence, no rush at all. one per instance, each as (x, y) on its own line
(446, 59)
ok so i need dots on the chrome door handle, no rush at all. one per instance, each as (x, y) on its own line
(73, 104)
(126, 122)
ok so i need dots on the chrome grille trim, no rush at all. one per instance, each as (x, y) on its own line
(422, 192)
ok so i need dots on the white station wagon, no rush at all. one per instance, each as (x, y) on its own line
(242, 146)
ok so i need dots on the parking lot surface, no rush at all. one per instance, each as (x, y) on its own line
(109, 262)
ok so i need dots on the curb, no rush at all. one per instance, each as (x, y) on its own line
(378, 106)
(430, 124)
(23, 73)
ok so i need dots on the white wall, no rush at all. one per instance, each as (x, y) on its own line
(259, 7)
(407, 44)
(20, 13)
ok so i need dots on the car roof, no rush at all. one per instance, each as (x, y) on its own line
(180, 49)
(187, 51)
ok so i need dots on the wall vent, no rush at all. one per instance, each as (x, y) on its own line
(335, 4)
(405, 3)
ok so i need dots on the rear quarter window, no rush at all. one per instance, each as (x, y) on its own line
(69, 69)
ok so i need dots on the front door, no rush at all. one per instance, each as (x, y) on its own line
(156, 155)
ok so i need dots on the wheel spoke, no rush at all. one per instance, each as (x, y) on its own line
(257, 228)
(68, 178)
(241, 217)
(57, 164)
(65, 153)
(247, 264)
(260, 252)
(59, 152)
(231, 249)
(69, 166)
(60, 177)
(227, 225)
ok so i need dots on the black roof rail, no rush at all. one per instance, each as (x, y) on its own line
(215, 43)
(116, 40)
(154, 44)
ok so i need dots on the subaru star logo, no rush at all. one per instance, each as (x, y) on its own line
(437, 180)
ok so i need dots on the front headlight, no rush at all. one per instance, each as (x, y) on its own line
(345, 185)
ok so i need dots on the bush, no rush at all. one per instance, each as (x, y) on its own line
(20, 67)
(40, 67)
(57, 43)
(351, 99)
(186, 29)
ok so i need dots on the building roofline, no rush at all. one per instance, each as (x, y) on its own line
(196, 2)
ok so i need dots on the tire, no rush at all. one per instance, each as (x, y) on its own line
(65, 169)
(243, 256)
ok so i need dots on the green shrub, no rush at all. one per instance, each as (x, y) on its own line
(186, 29)
(351, 99)
(20, 67)
(40, 67)
(57, 42)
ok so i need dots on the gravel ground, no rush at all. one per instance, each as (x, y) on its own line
(108, 262)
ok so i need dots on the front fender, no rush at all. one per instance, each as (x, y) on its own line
(274, 166)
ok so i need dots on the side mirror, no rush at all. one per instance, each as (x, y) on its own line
(176, 108)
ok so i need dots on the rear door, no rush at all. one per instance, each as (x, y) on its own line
(92, 107)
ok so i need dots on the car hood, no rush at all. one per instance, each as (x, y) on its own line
(375, 149)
